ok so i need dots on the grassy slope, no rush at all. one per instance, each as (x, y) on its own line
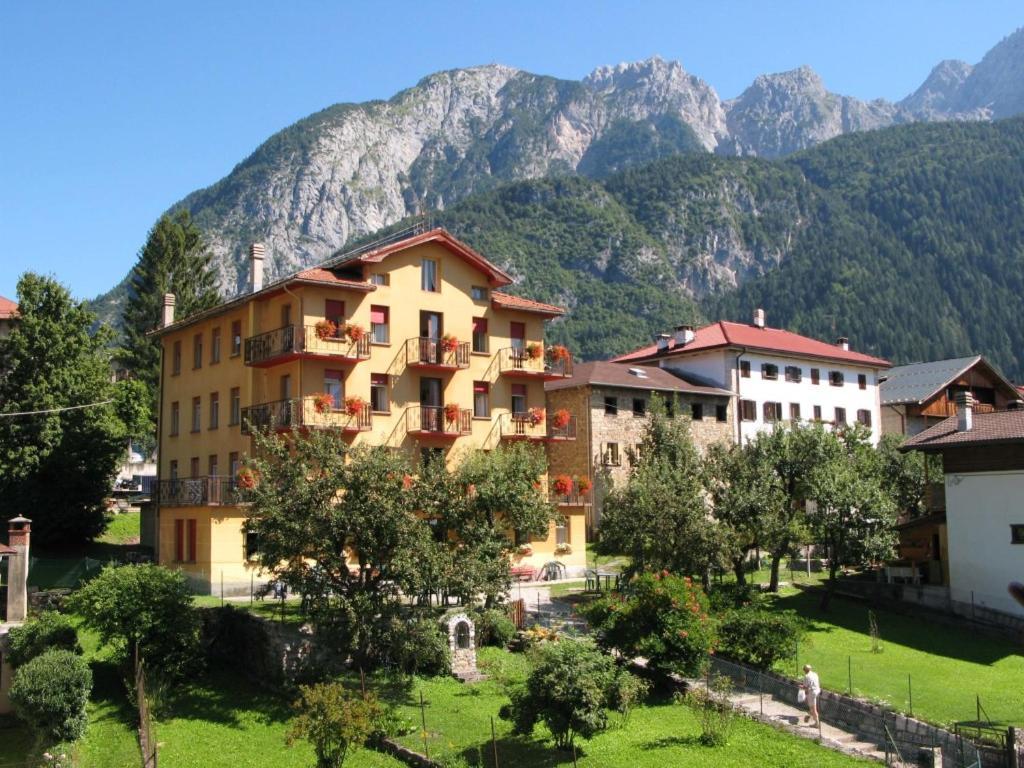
(49, 570)
(947, 665)
(658, 734)
(223, 720)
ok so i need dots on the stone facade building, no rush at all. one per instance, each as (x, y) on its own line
(610, 404)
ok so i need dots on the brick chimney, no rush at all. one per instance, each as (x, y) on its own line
(168, 316)
(18, 534)
(843, 343)
(256, 253)
(964, 411)
(759, 317)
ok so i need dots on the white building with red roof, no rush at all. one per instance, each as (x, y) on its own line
(779, 377)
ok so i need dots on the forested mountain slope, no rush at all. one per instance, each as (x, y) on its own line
(908, 240)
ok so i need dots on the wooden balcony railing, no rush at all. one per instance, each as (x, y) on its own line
(197, 491)
(433, 420)
(515, 361)
(305, 412)
(429, 352)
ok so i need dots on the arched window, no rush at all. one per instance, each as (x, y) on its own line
(462, 635)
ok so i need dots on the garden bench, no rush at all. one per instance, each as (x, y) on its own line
(523, 572)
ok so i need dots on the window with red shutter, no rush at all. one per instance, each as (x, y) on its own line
(334, 310)
(191, 541)
(517, 331)
(179, 541)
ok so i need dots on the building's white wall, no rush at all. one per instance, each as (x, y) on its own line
(722, 367)
(980, 507)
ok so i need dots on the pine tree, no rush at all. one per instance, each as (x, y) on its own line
(175, 259)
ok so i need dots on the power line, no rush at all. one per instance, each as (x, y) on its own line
(54, 410)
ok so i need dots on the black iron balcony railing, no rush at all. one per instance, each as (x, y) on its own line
(532, 426)
(339, 344)
(517, 361)
(439, 420)
(266, 346)
(308, 412)
(197, 491)
(290, 339)
(437, 353)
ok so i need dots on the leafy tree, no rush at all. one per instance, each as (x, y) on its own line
(46, 631)
(175, 259)
(334, 720)
(340, 527)
(50, 692)
(746, 495)
(855, 515)
(58, 466)
(148, 607)
(791, 456)
(660, 517)
(570, 689)
(662, 617)
(905, 475)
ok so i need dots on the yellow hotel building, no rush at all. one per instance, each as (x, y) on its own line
(408, 344)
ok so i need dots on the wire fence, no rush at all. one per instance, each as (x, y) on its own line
(147, 738)
(902, 739)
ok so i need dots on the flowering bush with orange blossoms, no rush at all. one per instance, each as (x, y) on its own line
(663, 618)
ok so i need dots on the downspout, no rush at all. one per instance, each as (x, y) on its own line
(302, 330)
(739, 398)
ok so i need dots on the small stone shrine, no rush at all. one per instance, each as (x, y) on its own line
(462, 644)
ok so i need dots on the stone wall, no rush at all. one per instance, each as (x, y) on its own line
(274, 655)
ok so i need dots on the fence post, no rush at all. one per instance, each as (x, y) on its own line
(849, 675)
(910, 696)
(760, 692)
(252, 588)
(494, 742)
(1011, 746)
(222, 588)
(796, 655)
(423, 720)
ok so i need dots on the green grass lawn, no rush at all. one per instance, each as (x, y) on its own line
(66, 570)
(224, 721)
(947, 665)
(660, 733)
(122, 529)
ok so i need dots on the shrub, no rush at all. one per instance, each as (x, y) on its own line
(334, 721)
(47, 631)
(759, 637)
(714, 711)
(144, 605)
(494, 627)
(570, 689)
(49, 693)
(664, 619)
(414, 647)
(725, 597)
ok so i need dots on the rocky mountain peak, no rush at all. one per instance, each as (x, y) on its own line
(941, 89)
(996, 83)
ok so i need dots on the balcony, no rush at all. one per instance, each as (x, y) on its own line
(574, 498)
(518, 363)
(289, 342)
(535, 425)
(435, 421)
(205, 491)
(436, 354)
(306, 413)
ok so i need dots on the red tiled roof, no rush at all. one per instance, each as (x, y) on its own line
(995, 427)
(727, 334)
(507, 301)
(321, 275)
(600, 373)
(440, 236)
(8, 308)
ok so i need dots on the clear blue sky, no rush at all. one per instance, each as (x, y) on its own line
(111, 112)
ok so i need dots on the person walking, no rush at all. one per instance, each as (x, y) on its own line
(812, 687)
